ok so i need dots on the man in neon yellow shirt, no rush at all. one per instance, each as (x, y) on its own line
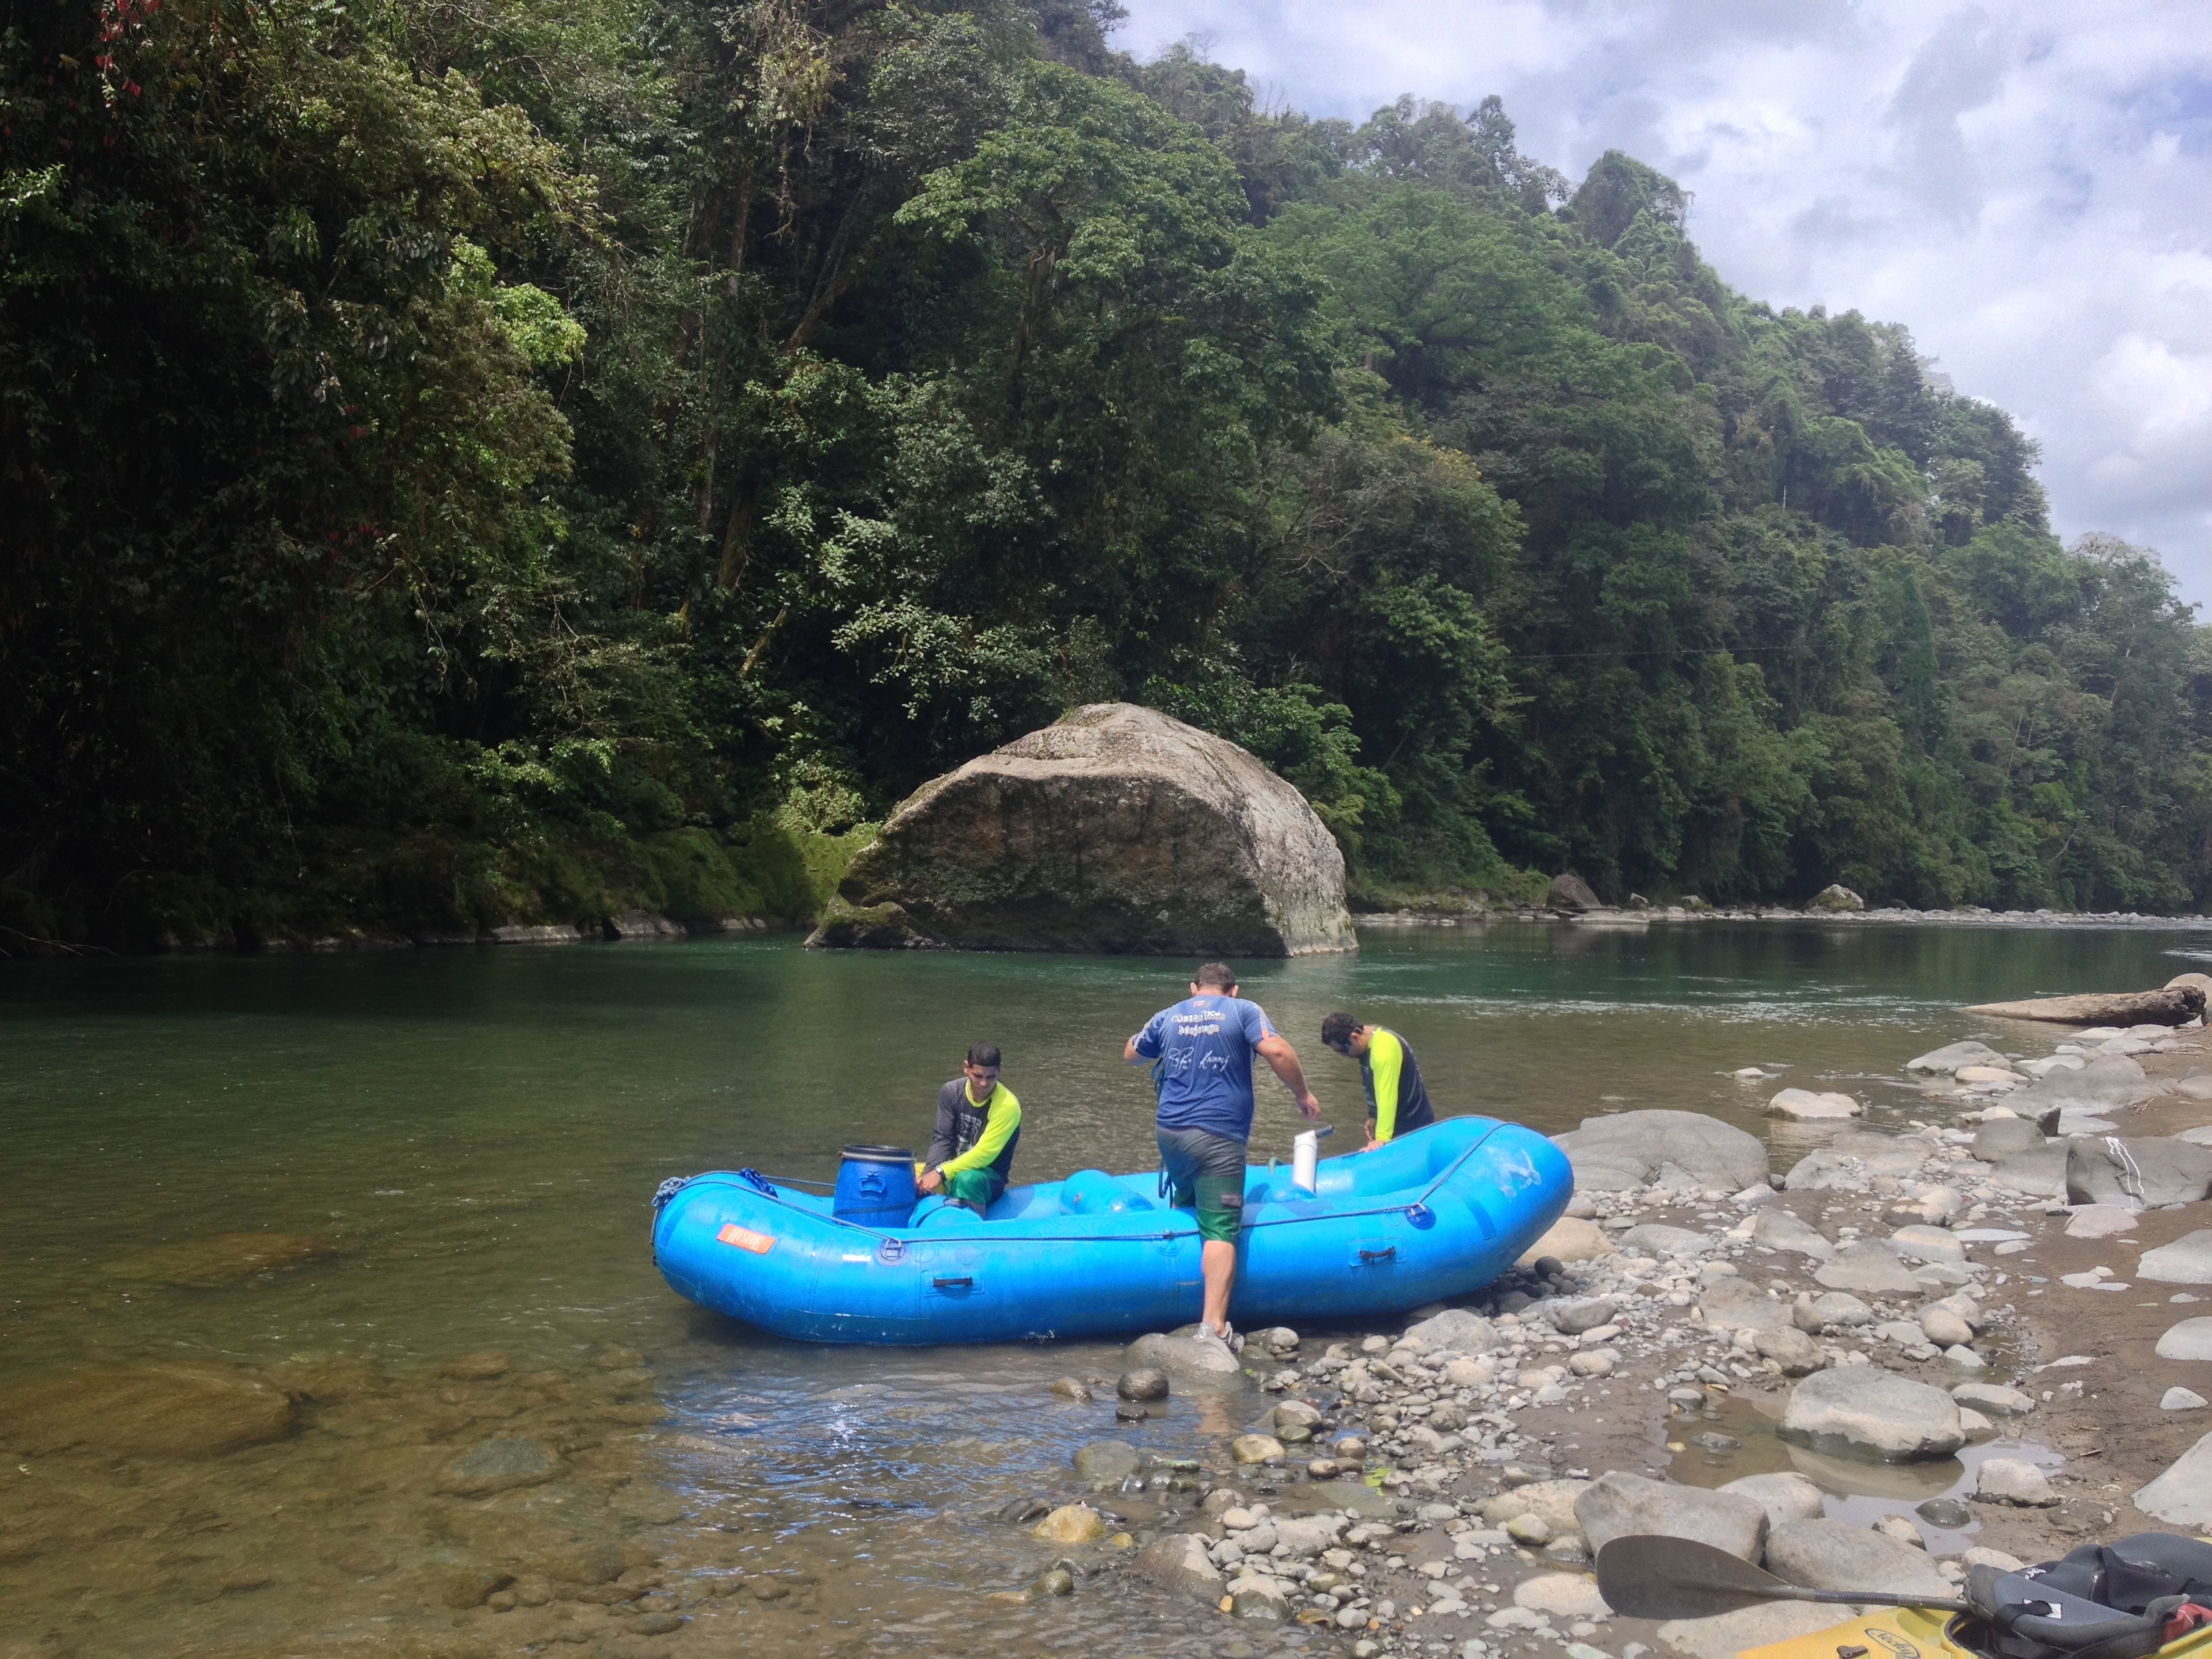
(1397, 1100)
(971, 1151)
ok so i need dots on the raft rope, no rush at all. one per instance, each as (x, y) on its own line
(761, 1184)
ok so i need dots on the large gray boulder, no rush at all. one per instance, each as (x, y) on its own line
(1669, 1149)
(1952, 1055)
(2038, 1172)
(2108, 1081)
(2182, 1497)
(2187, 1260)
(1116, 829)
(1570, 892)
(1863, 1411)
(1178, 1562)
(1872, 1265)
(2007, 1137)
(1618, 1503)
(1725, 1635)
(1787, 1496)
(1457, 1329)
(1833, 1555)
(1203, 1365)
(2137, 1174)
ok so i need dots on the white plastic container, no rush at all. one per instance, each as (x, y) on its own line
(1305, 1159)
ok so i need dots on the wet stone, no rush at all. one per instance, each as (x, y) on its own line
(498, 1465)
(206, 1264)
(1105, 1463)
(478, 1367)
(153, 1411)
(1146, 1383)
(1945, 1512)
(1071, 1388)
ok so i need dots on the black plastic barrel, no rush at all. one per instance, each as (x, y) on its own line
(875, 1187)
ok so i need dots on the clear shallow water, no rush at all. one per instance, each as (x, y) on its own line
(473, 1138)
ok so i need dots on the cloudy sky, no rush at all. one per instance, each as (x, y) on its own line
(2026, 186)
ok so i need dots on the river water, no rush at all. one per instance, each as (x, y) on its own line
(460, 1148)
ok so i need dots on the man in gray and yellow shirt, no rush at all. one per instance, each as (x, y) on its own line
(971, 1153)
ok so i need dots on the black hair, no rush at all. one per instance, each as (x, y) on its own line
(983, 1054)
(1216, 976)
(1336, 1030)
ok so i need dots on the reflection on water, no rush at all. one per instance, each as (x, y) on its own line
(411, 1191)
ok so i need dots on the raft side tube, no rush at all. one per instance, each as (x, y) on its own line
(1436, 1214)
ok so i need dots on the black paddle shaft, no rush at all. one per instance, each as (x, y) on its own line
(1650, 1576)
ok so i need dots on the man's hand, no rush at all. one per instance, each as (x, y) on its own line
(1373, 1146)
(932, 1182)
(1309, 1105)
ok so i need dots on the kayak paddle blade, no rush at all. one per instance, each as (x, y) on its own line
(1652, 1575)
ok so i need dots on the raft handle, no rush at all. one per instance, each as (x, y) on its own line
(1389, 1253)
(960, 1284)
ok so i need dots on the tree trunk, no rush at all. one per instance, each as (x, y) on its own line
(2175, 1006)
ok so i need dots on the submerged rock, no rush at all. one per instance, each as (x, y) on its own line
(207, 1264)
(498, 1465)
(152, 1411)
(1104, 1463)
(1116, 829)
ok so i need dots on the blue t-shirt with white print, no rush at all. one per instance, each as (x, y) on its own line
(1207, 1044)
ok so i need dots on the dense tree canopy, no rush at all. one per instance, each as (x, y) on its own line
(487, 461)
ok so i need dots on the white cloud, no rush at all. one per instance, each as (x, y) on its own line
(2027, 185)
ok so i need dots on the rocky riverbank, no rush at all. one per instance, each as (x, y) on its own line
(1860, 1351)
(1903, 1354)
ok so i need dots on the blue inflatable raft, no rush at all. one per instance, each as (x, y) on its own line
(1436, 1214)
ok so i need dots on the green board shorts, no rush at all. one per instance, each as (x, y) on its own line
(1206, 1171)
(977, 1188)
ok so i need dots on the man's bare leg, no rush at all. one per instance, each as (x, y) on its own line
(1218, 1260)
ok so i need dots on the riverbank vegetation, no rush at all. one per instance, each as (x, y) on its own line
(476, 461)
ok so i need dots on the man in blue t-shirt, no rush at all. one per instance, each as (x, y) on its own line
(1204, 1048)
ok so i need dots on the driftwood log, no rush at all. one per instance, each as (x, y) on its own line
(2176, 1004)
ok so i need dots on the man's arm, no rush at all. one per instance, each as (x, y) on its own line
(946, 1135)
(1283, 1060)
(1006, 1118)
(1386, 1057)
(1133, 1050)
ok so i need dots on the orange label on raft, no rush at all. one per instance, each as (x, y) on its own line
(746, 1239)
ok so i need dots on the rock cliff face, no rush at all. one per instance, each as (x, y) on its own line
(1117, 829)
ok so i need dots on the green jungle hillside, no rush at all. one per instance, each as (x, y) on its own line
(487, 461)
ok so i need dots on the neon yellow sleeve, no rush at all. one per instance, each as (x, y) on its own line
(1006, 1118)
(1386, 1057)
